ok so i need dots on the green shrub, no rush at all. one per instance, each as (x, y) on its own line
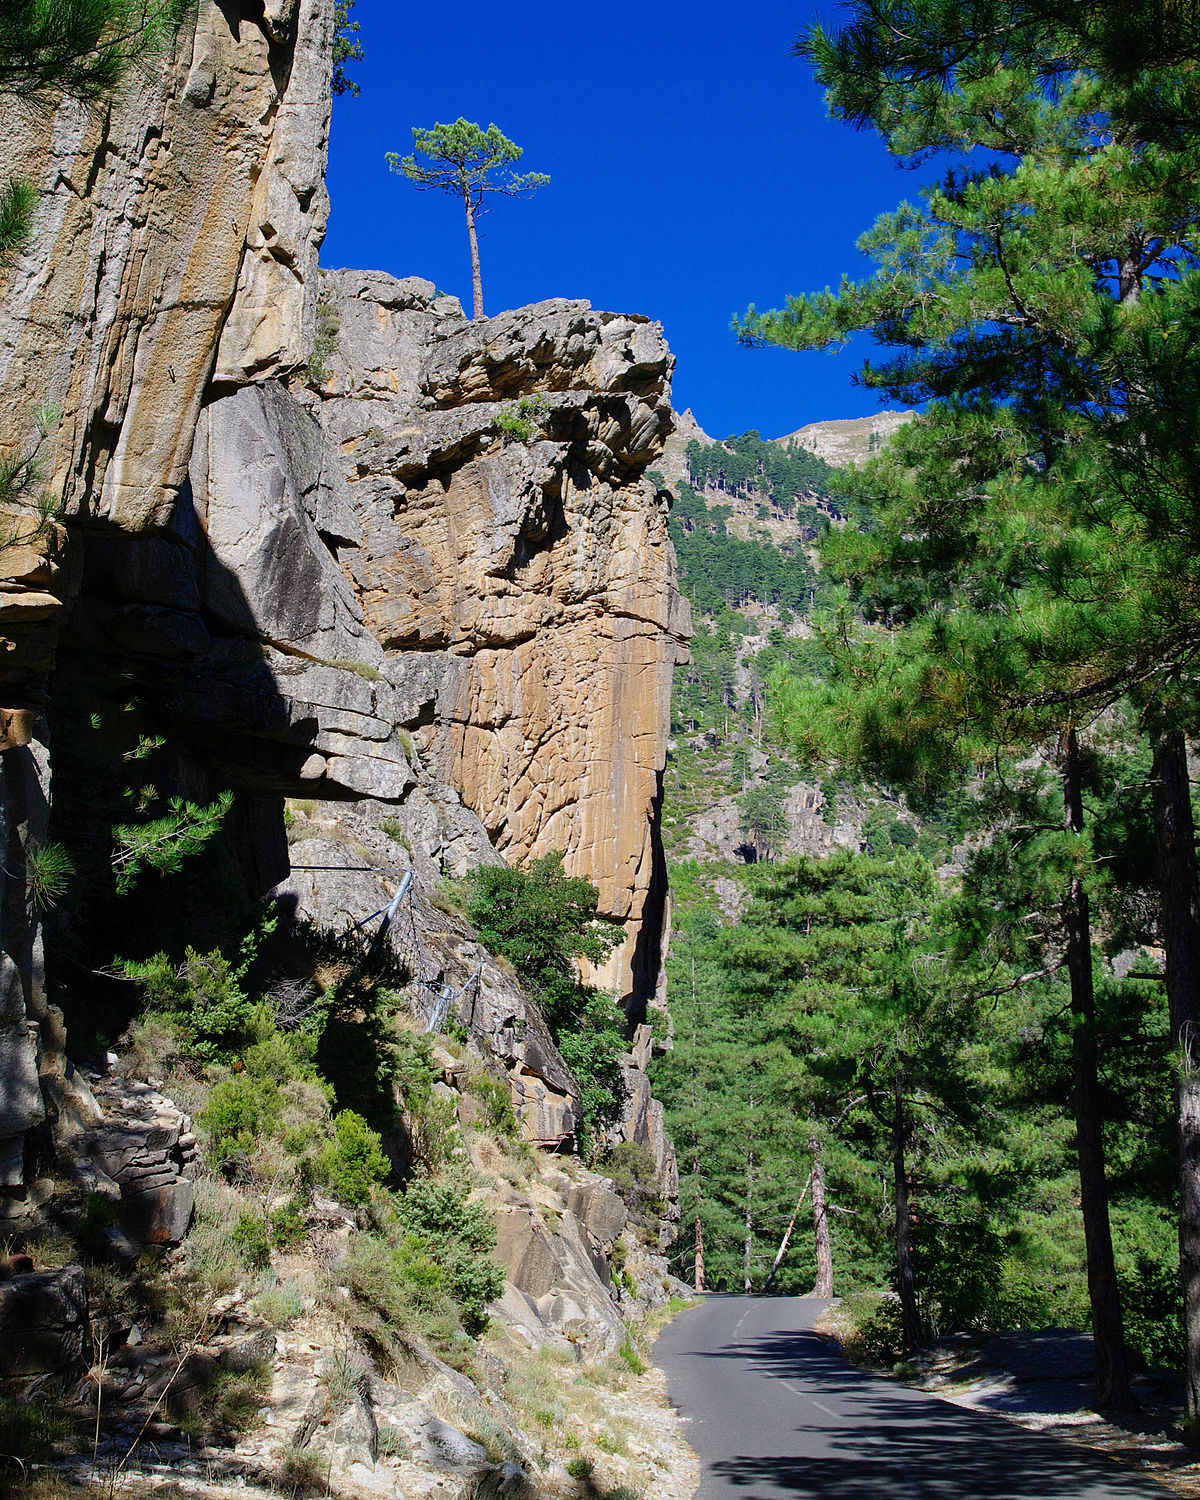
(542, 920)
(201, 998)
(399, 1280)
(580, 1468)
(498, 1114)
(634, 1175)
(279, 1305)
(392, 1442)
(252, 1239)
(288, 1228)
(353, 1162)
(1153, 1307)
(459, 1234)
(28, 1431)
(632, 1358)
(240, 1111)
(227, 1406)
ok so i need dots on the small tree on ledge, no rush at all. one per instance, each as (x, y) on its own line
(462, 159)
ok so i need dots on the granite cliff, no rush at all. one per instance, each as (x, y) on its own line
(419, 569)
(395, 581)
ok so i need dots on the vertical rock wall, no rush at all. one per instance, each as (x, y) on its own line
(509, 532)
(456, 539)
(175, 237)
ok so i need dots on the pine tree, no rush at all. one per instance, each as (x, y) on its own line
(468, 162)
(1036, 531)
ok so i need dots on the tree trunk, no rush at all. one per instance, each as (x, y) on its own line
(1112, 1390)
(1180, 917)
(824, 1282)
(748, 1252)
(905, 1285)
(698, 1279)
(476, 277)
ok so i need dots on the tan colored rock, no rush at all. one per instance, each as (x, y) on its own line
(849, 440)
(536, 559)
(151, 215)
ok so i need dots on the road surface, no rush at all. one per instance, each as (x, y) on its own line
(776, 1415)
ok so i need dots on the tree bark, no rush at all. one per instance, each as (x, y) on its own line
(824, 1282)
(698, 1276)
(905, 1284)
(748, 1252)
(1111, 1390)
(1180, 917)
(476, 276)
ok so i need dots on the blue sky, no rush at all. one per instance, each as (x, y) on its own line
(693, 171)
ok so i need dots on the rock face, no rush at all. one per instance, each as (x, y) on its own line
(497, 470)
(176, 229)
(849, 440)
(338, 542)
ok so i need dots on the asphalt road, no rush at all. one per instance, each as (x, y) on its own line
(775, 1415)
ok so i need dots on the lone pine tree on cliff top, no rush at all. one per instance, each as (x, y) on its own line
(463, 159)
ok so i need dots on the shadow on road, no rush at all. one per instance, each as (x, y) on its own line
(888, 1441)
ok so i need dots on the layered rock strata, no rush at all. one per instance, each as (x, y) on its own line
(510, 535)
(412, 567)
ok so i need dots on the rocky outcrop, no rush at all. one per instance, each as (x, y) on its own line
(510, 535)
(850, 440)
(420, 573)
(176, 236)
(432, 834)
(142, 1154)
(175, 239)
(44, 1328)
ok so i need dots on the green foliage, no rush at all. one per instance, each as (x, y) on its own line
(634, 1175)
(717, 570)
(28, 1431)
(631, 1359)
(202, 999)
(353, 1162)
(429, 1269)
(763, 820)
(253, 1240)
(288, 1228)
(48, 871)
(467, 161)
(542, 920)
(498, 1114)
(522, 420)
(240, 1111)
(346, 47)
(164, 843)
(325, 339)
(460, 1234)
(18, 199)
(82, 49)
(279, 1305)
(1153, 1307)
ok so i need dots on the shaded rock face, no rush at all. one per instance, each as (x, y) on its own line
(433, 834)
(497, 470)
(44, 1327)
(428, 582)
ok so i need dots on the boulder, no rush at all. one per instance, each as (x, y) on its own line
(44, 1327)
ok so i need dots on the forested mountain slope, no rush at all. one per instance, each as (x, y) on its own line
(791, 1049)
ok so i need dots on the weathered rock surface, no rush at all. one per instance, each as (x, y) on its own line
(44, 1326)
(424, 577)
(532, 557)
(143, 1153)
(202, 188)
